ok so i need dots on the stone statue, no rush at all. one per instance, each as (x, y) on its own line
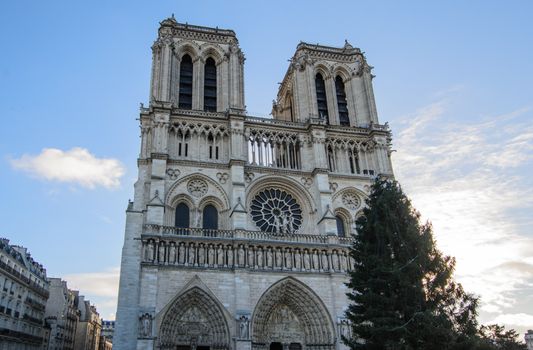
(269, 257)
(211, 255)
(161, 252)
(145, 325)
(315, 261)
(297, 260)
(241, 256)
(150, 254)
(335, 261)
(181, 254)
(260, 257)
(229, 250)
(201, 255)
(220, 256)
(288, 258)
(325, 263)
(244, 327)
(279, 259)
(250, 257)
(307, 262)
(172, 254)
(192, 254)
(343, 262)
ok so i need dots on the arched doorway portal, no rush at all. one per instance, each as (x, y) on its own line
(290, 316)
(194, 321)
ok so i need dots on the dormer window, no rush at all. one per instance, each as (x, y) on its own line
(185, 92)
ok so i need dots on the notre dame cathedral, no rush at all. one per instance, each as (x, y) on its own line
(239, 232)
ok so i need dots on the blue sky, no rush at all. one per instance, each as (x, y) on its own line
(453, 79)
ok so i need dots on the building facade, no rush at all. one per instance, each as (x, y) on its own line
(528, 337)
(62, 315)
(239, 231)
(89, 326)
(23, 298)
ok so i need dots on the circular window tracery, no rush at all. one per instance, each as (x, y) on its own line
(276, 211)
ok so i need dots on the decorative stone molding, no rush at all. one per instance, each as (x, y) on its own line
(197, 187)
(248, 177)
(351, 200)
(307, 181)
(173, 173)
(333, 186)
(222, 177)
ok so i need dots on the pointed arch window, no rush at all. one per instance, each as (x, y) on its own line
(182, 216)
(340, 226)
(185, 92)
(341, 102)
(210, 217)
(210, 85)
(321, 99)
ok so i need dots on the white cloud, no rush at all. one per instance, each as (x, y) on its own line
(463, 177)
(521, 319)
(77, 165)
(101, 288)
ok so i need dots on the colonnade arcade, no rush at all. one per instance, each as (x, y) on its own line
(288, 316)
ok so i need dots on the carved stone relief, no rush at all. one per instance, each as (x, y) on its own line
(351, 200)
(173, 173)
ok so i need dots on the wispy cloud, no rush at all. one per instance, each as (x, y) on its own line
(462, 176)
(76, 165)
(101, 288)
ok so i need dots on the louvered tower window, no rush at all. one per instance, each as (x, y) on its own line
(341, 102)
(321, 100)
(210, 86)
(340, 226)
(185, 97)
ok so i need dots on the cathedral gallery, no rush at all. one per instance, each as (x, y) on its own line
(239, 231)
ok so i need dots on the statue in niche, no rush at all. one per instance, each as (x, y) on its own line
(288, 258)
(325, 263)
(244, 327)
(307, 262)
(250, 257)
(211, 255)
(297, 260)
(145, 322)
(220, 256)
(315, 260)
(241, 256)
(172, 254)
(260, 257)
(279, 258)
(181, 253)
(150, 251)
(335, 261)
(192, 254)
(269, 257)
(229, 250)
(161, 252)
(343, 262)
(201, 255)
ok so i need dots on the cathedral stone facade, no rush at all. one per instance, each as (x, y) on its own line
(239, 231)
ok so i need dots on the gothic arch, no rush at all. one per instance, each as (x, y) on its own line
(343, 71)
(194, 316)
(179, 187)
(304, 317)
(214, 51)
(324, 69)
(187, 47)
(359, 192)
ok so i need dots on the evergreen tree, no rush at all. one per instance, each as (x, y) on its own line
(402, 292)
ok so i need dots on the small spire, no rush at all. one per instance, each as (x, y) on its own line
(347, 45)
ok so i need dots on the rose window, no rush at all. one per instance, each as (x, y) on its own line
(276, 211)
